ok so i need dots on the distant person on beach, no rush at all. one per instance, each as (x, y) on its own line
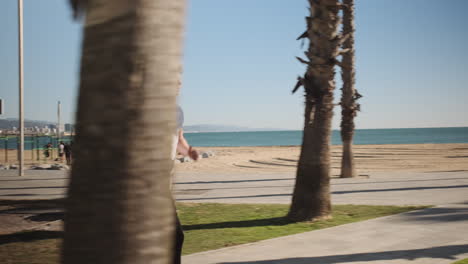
(47, 149)
(181, 146)
(61, 150)
(68, 152)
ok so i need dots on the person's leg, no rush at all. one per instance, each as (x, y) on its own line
(178, 241)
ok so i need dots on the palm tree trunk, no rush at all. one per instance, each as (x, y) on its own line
(311, 197)
(119, 207)
(348, 99)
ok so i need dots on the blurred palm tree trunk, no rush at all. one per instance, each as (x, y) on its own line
(349, 107)
(311, 197)
(119, 207)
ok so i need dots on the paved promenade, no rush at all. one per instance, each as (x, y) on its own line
(431, 236)
(398, 188)
(36, 184)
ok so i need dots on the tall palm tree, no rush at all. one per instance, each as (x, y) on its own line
(311, 197)
(119, 207)
(349, 107)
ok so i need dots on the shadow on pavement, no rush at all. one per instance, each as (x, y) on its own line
(23, 206)
(335, 192)
(33, 188)
(451, 214)
(30, 195)
(234, 197)
(379, 182)
(444, 252)
(47, 217)
(30, 236)
(38, 179)
(272, 163)
(235, 181)
(403, 189)
(235, 188)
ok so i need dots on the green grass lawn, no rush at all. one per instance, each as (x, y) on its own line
(463, 261)
(207, 226)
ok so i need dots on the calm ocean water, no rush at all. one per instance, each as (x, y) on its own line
(361, 137)
(288, 138)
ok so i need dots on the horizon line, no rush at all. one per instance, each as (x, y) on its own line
(333, 129)
(255, 129)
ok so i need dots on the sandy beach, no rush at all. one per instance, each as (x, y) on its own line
(369, 158)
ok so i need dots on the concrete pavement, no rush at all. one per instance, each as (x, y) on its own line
(432, 236)
(396, 188)
(383, 188)
(36, 184)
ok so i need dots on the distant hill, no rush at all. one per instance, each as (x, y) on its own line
(9, 123)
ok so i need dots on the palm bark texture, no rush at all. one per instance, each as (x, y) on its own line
(311, 197)
(119, 207)
(349, 107)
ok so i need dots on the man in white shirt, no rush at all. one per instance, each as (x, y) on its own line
(61, 150)
(181, 146)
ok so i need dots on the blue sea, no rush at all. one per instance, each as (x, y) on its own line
(361, 137)
(292, 138)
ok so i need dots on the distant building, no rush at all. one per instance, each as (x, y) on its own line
(45, 130)
(69, 127)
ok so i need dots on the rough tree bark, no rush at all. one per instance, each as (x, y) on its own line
(311, 197)
(349, 107)
(119, 207)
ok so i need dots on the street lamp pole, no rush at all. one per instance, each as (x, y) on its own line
(21, 109)
(58, 122)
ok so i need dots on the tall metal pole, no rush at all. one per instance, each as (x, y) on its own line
(20, 62)
(58, 122)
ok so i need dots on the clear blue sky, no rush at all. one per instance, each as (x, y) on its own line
(412, 64)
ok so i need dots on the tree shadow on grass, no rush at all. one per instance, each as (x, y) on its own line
(30, 236)
(275, 221)
(443, 252)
